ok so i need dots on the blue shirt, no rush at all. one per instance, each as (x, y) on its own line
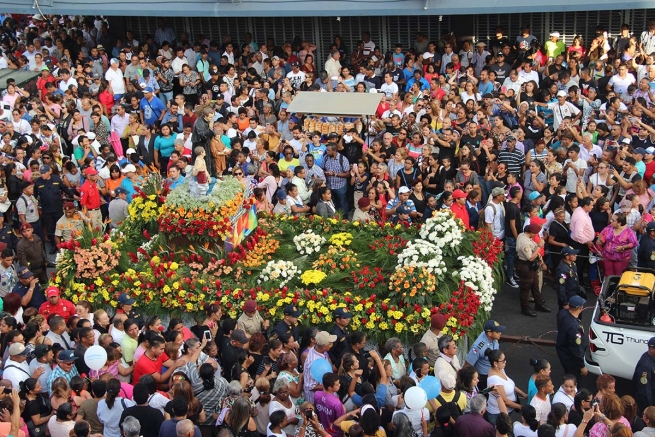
(425, 85)
(38, 297)
(129, 186)
(484, 88)
(318, 152)
(151, 110)
(476, 356)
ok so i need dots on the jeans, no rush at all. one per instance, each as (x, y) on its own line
(165, 97)
(339, 199)
(510, 250)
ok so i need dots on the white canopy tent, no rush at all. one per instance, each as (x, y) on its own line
(335, 104)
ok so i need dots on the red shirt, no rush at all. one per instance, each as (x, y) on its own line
(107, 100)
(461, 213)
(40, 84)
(146, 366)
(90, 195)
(63, 307)
(650, 171)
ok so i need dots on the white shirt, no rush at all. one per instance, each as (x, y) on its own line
(3, 62)
(621, 84)
(562, 111)
(524, 430)
(542, 407)
(369, 47)
(533, 75)
(230, 57)
(115, 78)
(64, 84)
(177, 63)
(16, 372)
(118, 123)
(389, 89)
(296, 79)
(508, 385)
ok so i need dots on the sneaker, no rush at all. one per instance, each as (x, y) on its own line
(512, 283)
(516, 277)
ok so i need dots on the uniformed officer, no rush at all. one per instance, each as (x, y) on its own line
(487, 340)
(289, 324)
(567, 277)
(124, 306)
(570, 344)
(251, 321)
(70, 225)
(646, 251)
(644, 377)
(7, 234)
(48, 190)
(28, 289)
(340, 329)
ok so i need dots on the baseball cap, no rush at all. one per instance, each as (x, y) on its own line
(239, 335)
(459, 194)
(18, 349)
(342, 313)
(250, 306)
(324, 337)
(293, 119)
(538, 220)
(534, 195)
(650, 226)
(120, 190)
(568, 250)
(100, 47)
(148, 90)
(626, 205)
(44, 169)
(69, 205)
(555, 34)
(41, 350)
(25, 226)
(91, 171)
(402, 209)
(281, 194)
(650, 150)
(213, 70)
(24, 273)
(404, 190)
(130, 151)
(626, 140)
(639, 150)
(124, 299)
(276, 58)
(576, 301)
(493, 326)
(497, 191)
(129, 168)
(52, 291)
(295, 64)
(438, 321)
(448, 380)
(291, 310)
(651, 342)
(67, 356)
(510, 138)
(561, 93)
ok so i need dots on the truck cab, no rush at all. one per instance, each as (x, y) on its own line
(622, 323)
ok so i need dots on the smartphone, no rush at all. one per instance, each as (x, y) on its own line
(308, 413)
(207, 335)
(488, 390)
(7, 390)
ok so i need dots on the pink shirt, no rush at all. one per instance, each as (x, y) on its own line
(582, 230)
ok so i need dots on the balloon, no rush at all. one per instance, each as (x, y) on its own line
(95, 357)
(431, 385)
(415, 398)
(319, 368)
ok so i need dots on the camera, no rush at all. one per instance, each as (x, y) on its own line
(309, 414)
(488, 390)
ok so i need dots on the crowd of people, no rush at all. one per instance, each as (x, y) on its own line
(551, 148)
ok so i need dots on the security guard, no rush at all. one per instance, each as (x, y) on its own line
(341, 321)
(7, 234)
(646, 251)
(487, 340)
(570, 344)
(124, 306)
(567, 276)
(644, 377)
(288, 325)
(48, 190)
(250, 321)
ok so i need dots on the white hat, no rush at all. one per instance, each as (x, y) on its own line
(555, 34)
(130, 150)
(142, 85)
(104, 173)
(626, 140)
(90, 135)
(129, 168)
(651, 150)
(403, 190)
(561, 93)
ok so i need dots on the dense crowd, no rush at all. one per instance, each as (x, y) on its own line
(549, 147)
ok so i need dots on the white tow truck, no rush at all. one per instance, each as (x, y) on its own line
(622, 323)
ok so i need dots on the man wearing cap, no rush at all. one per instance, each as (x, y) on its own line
(152, 108)
(90, 198)
(43, 358)
(361, 212)
(401, 200)
(56, 304)
(48, 189)
(324, 341)
(529, 254)
(27, 208)
(289, 324)
(570, 345)
(16, 369)
(295, 76)
(643, 379)
(554, 46)
(118, 207)
(29, 289)
(65, 368)
(432, 336)
(251, 321)
(646, 250)
(114, 76)
(70, 225)
(561, 109)
(459, 207)
(488, 339)
(494, 213)
(337, 171)
(341, 321)
(237, 341)
(30, 253)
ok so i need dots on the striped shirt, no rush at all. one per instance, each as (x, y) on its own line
(514, 160)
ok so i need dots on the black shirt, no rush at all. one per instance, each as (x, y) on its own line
(213, 88)
(149, 418)
(473, 142)
(513, 212)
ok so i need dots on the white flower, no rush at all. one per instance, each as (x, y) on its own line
(422, 253)
(477, 275)
(283, 271)
(443, 230)
(308, 242)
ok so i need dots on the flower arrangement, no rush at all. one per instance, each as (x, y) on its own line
(312, 277)
(478, 276)
(414, 284)
(460, 310)
(280, 272)
(336, 258)
(96, 260)
(308, 242)
(341, 239)
(443, 230)
(422, 253)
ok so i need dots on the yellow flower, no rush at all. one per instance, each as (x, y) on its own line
(174, 266)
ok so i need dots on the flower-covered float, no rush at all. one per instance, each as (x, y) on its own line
(176, 252)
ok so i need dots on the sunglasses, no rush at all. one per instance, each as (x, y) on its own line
(238, 174)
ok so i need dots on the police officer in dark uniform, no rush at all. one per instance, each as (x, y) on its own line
(567, 277)
(124, 306)
(570, 344)
(644, 377)
(48, 190)
(646, 251)
(288, 325)
(7, 235)
(340, 329)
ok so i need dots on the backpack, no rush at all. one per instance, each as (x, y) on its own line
(452, 405)
(481, 221)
